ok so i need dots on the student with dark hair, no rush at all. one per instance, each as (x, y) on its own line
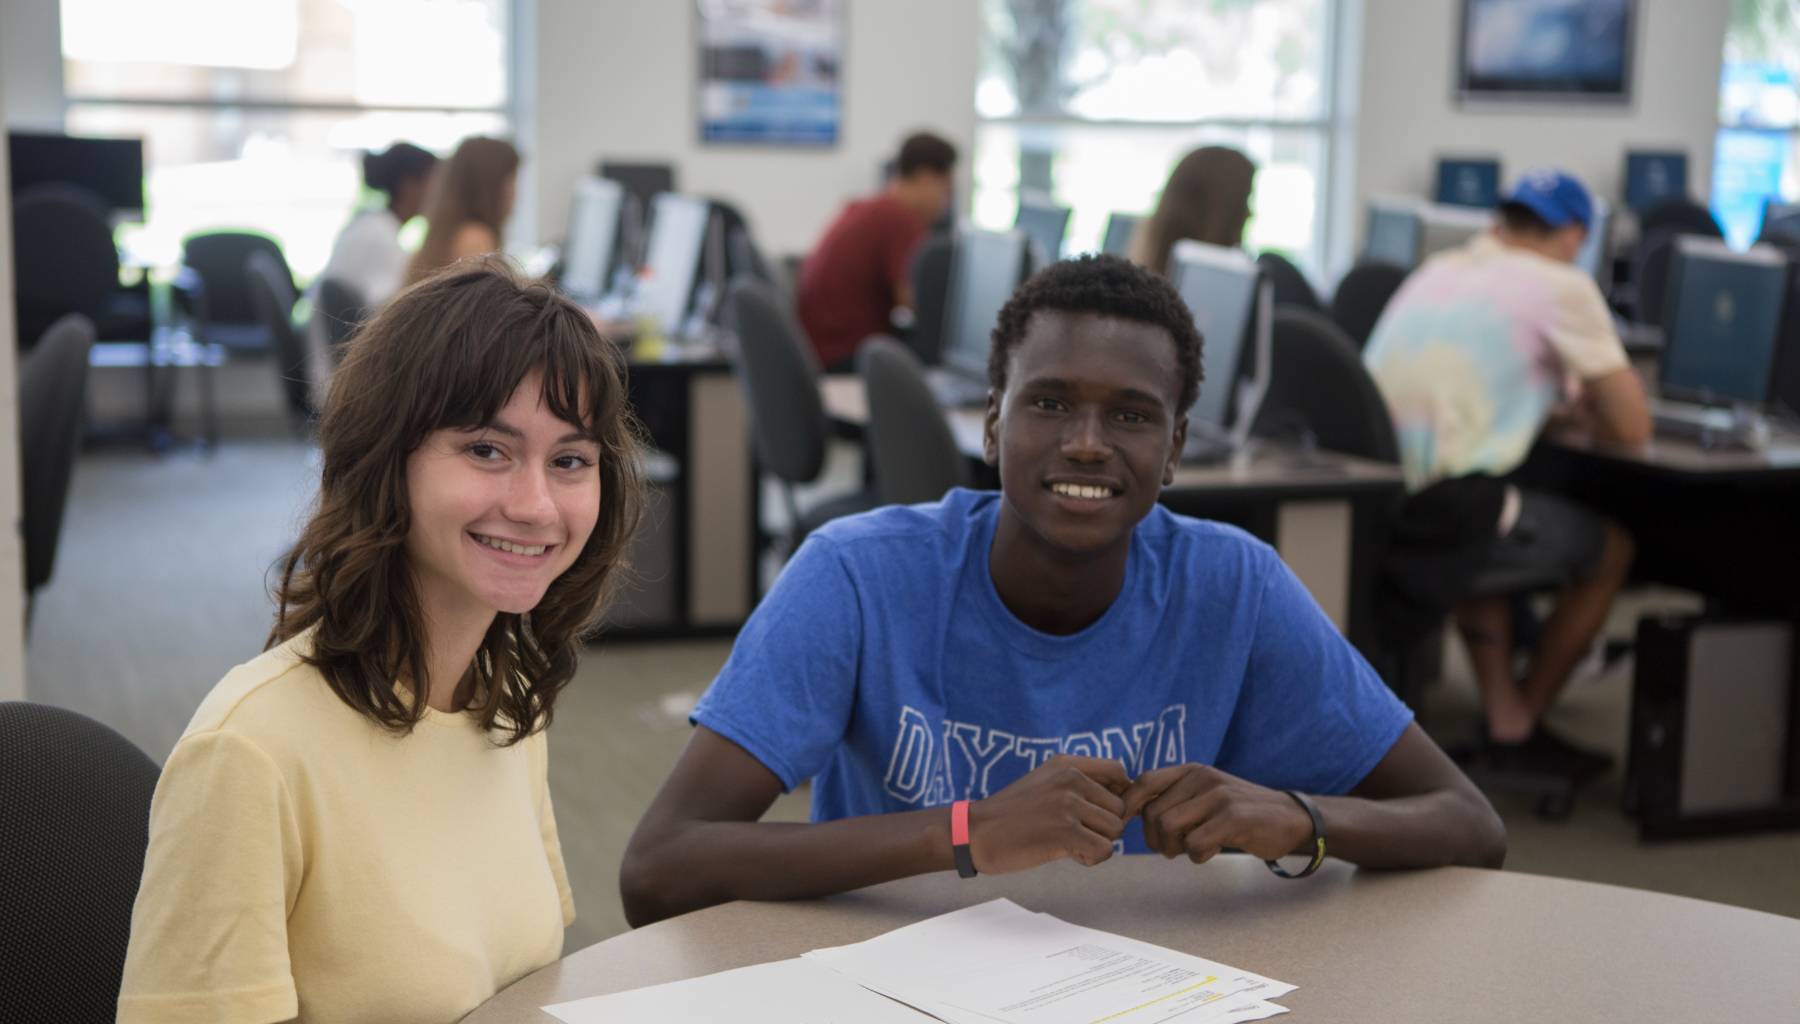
(469, 204)
(1206, 199)
(356, 825)
(1476, 352)
(1061, 668)
(857, 274)
(367, 255)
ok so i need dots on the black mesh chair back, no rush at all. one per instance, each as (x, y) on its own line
(64, 260)
(1362, 295)
(1291, 286)
(909, 442)
(272, 294)
(228, 314)
(1319, 387)
(52, 395)
(339, 309)
(780, 377)
(74, 823)
(930, 276)
(1680, 216)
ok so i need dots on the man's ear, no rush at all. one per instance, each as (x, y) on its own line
(1180, 442)
(990, 429)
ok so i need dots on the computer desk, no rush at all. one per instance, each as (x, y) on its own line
(1324, 513)
(1450, 944)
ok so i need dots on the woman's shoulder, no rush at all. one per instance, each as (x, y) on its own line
(275, 694)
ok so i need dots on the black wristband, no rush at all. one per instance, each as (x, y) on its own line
(1318, 839)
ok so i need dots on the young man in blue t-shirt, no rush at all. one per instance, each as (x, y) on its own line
(1081, 666)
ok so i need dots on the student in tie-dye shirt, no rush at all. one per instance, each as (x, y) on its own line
(1477, 351)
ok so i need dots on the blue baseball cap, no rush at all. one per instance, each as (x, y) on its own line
(1556, 196)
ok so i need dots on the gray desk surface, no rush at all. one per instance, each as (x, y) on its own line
(1265, 466)
(1688, 458)
(1447, 945)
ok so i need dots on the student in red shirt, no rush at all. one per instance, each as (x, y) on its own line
(857, 274)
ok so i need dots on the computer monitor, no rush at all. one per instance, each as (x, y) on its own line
(112, 169)
(1232, 305)
(1447, 227)
(1468, 181)
(1044, 224)
(1781, 221)
(1723, 317)
(1653, 177)
(643, 182)
(1595, 256)
(593, 238)
(985, 269)
(1394, 232)
(678, 231)
(1119, 229)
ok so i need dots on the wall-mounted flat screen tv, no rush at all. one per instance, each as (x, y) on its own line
(1550, 49)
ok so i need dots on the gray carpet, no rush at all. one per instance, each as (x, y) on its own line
(160, 587)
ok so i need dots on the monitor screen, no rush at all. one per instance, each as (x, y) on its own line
(1446, 227)
(1652, 178)
(985, 269)
(1220, 286)
(1119, 229)
(672, 258)
(1468, 182)
(1394, 232)
(1595, 256)
(643, 182)
(1045, 226)
(112, 169)
(1724, 311)
(1546, 48)
(593, 235)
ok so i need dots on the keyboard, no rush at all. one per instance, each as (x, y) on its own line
(1711, 426)
(956, 391)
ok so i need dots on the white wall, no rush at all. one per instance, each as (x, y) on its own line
(1407, 113)
(616, 80)
(12, 551)
(31, 64)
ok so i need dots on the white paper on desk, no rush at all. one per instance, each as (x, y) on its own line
(783, 992)
(997, 962)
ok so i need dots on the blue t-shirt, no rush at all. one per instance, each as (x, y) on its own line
(884, 667)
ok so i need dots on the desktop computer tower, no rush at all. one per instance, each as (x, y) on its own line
(1712, 727)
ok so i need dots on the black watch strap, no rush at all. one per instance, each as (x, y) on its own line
(1318, 839)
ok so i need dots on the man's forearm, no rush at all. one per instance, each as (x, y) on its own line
(697, 864)
(1446, 826)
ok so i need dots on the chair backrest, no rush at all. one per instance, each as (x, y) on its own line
(780, 376)
(931, 297)
(1362, 295)
(1681, 216)
(218, 258)
(52, 394)
(272, 295)
(64, 260)
(1291, 286)
(1650, 262)
(910, 444)
(340, 308)
(74, 824)
(1318, 384)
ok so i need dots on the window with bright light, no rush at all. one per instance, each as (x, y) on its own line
(1092, 102)
(255, 113)
(1759, 111)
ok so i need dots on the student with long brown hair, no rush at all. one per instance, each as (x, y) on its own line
(1207, 199)
(467, 211)
(356, 825)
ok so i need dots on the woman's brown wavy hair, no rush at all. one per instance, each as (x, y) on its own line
(1207, 199)
(449, 352)
(470, 187)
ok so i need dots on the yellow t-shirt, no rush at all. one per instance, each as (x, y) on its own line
(305, 863)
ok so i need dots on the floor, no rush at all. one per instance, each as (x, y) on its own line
(161, 586)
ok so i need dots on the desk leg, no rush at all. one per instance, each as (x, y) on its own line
(1314, 539)
(720, 489)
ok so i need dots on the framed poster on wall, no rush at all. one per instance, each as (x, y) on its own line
(1578, 50)
(771, 71)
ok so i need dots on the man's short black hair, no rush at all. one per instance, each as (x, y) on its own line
(1523, 220)
(1108, 286)
(923, 151)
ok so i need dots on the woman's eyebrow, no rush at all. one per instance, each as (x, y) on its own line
(503, 427)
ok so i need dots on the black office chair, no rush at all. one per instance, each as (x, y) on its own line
(215, 294)
(272, 295)
(1680, 216)
(1319, 388)
(913, 452)
(52, 393)
(780, 377)
(930, 276)
(1650, 262)
(63, 258)
(1291, 286)
(339, 310)
(1362, 295)
(74, 824)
